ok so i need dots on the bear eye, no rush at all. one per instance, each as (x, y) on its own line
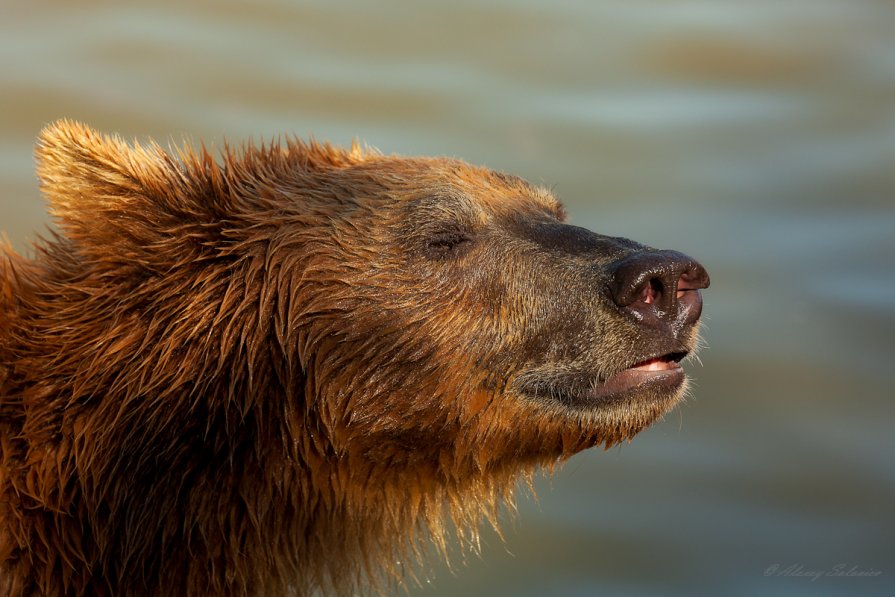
(448, 243)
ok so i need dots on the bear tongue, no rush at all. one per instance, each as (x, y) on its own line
(657, 364)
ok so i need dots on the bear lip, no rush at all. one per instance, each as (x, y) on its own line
(658, 372)
(650, 379)
(660, 363)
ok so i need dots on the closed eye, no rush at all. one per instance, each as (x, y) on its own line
(447, 244)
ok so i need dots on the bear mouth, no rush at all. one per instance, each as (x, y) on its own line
(656, 373)
(653, 379)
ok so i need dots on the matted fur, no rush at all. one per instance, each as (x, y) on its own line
(261, 376)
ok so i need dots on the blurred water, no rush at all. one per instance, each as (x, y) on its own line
(758, 137)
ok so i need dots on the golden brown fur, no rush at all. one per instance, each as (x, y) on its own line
(264, 376)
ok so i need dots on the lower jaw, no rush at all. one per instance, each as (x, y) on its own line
(631, 381)
(634, 387)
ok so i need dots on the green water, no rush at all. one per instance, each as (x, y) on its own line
(756, 136)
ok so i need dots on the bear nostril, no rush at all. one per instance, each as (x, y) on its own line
(652, 291)
(694, 278)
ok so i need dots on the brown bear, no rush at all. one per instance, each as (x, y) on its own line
(289, 370)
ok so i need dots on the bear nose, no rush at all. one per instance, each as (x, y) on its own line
(659, 286)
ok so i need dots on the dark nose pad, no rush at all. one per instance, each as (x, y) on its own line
(659, 286)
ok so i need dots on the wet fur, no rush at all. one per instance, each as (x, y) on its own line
(262, 376)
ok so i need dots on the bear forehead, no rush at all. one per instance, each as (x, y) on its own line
(451, 184)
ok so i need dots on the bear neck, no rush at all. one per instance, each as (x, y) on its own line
(190, 448)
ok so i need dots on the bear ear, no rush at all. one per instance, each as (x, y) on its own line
(91, 180)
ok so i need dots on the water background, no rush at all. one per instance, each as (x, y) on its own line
(756, 136)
